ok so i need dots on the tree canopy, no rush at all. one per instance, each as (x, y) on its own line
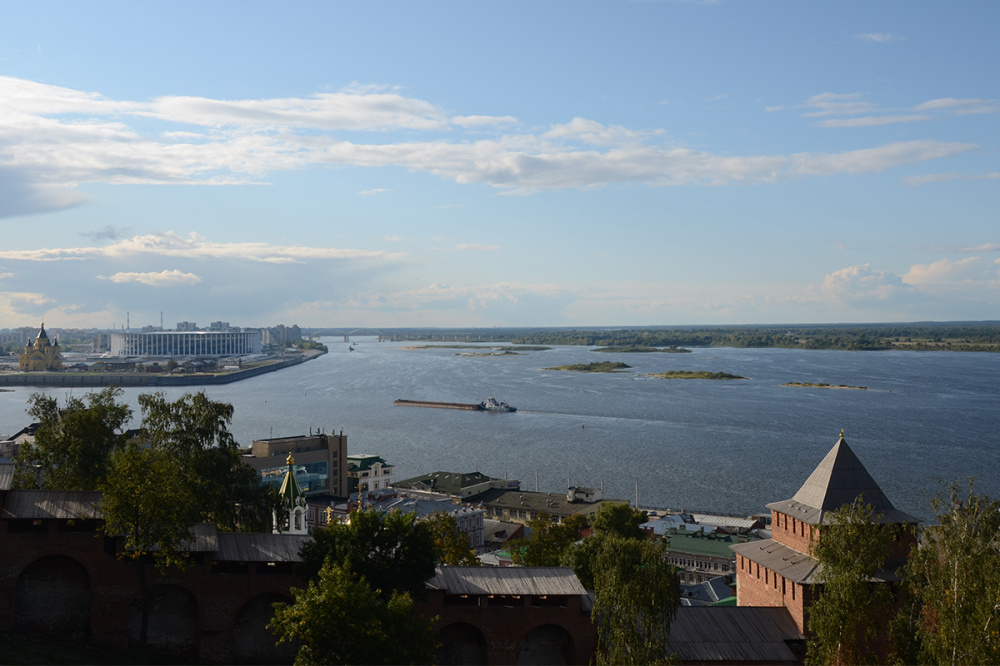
(847, 618)
(547, 541)
(612, 518)
(451, 544)
(393, 552)
(954, 581)
(635, 600)
(340, 619)
(74, 442)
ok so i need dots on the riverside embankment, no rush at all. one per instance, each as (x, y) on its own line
(97, 379)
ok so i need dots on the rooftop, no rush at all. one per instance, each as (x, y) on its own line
(507, 581)
(839, 480)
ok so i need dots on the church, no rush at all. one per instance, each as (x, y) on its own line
(43, 355)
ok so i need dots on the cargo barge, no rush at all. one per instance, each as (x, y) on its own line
(490, 405)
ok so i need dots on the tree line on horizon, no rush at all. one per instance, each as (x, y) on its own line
(849, 337)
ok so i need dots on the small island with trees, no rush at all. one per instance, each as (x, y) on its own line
(602, 366)
(693, 374)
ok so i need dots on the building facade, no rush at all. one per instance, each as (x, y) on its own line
(367, 471)
(42, 355)
(186, 343)
(320, 462)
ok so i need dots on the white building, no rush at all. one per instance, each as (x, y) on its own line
(186, 343)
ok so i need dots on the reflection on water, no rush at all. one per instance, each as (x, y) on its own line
(727, 446)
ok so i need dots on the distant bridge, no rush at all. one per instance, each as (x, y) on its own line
(332, 332)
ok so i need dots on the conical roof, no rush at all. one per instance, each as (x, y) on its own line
(839, 479)
(291, 492)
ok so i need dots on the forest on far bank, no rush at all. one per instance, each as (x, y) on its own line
(959, 336)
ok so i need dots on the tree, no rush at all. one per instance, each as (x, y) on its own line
(195, 431)
(393, 552)
(615, 518)
(847, 617)
(340, 619)
(148, 503)
(73, 443)
(451, 545)
(635, 600)
(547, 541)
(954, 578)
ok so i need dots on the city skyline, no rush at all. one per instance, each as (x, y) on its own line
(565, 164)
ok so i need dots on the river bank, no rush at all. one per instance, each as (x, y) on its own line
(123, 379)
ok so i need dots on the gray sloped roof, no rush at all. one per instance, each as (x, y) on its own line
(42, 504)
(734, 634)
(779, 558)
(6, 476)
(839, 479)
(247, 547)
(507, 581)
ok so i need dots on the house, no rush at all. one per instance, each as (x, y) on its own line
(369, 471)
(779, 571)
(456, 484)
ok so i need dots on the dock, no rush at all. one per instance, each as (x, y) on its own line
(439, 405)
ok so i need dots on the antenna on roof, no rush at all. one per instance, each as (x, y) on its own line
(536, 480)
(637, 492)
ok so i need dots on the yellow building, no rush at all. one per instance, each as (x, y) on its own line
(42, 355)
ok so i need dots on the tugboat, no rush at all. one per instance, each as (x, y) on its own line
(494, 405)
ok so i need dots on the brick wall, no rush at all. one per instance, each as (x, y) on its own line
(757, 586)
(792, 532)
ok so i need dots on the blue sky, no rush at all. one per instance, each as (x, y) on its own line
(498, 164)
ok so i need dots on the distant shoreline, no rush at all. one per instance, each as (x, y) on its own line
(95, 380)
(824, 385)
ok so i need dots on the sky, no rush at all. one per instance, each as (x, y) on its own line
(453, 164)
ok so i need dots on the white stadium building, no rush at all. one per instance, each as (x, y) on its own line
(186, 343)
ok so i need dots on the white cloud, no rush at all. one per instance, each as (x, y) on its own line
(395, 239)
(956, 104)
(377, 190)
(870, 121)
(878, 37)
(53, 138)
(169, 244)
(480, 121)
(945, 177)
(829, 104)
(162, 279)
(949, 275)
(861, 284)
(478, 247)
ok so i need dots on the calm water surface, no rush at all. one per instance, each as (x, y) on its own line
(728, 446)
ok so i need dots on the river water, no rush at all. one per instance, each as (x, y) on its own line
(726, 446)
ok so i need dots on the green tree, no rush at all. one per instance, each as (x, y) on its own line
(851, 609)
(393, 552)
(612, 518)
(148, 503)
(73, 442)
(451, 545)
(954, 578)
(340, 619)
(635, 600)
(547, 541)
(195, 431)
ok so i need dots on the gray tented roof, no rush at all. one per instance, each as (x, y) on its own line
(839, 479)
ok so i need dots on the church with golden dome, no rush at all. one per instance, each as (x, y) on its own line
(43, 355)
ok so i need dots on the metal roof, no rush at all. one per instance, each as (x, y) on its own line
(507, 581)
(41, 504)
(839, 479)
(247, 547)
(730, 634)
(779, 558)
(6, 476)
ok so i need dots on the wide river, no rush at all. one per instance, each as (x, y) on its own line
(702, 445)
